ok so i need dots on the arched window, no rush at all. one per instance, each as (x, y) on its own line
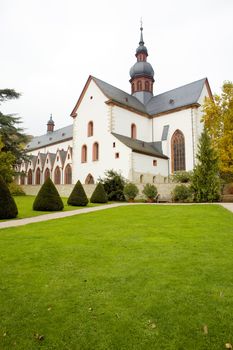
(147, 86)
(57, 176)
(38, 176)
(133, 131)
(95, 151)
(178, 151)
(90, 129)
(30, 177)
(84, 154)
(139, 85)
(89, 180)
(46, 174)
(141, 179)
(133, 88)
(68, 175)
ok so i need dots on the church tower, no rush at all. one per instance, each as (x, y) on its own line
(142, 74)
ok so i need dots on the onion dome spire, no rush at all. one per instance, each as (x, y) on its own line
(142, 73)
(50, 124)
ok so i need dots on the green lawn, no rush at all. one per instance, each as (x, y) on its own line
(24, 204)
(140, 277)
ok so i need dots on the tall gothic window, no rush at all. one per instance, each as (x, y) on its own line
(30, 177)
(90, 129)
(68, 175)
(84, 154)
(178, 151)
(38, 176)
(46, 174)
(22, 179)
(95, 151)
(133, 131)
(57, 176)
(147, 86)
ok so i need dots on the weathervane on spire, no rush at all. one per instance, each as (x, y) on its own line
(141, 42)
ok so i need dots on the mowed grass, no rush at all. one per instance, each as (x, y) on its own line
(140, 277)
(25, 204)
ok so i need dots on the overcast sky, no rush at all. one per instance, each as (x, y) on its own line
(50, 47)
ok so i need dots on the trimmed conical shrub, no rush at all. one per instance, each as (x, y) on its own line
(78, 196)
(48, 198)
(8, 208)
(99, 195)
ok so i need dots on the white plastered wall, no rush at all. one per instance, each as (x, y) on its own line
(93, 108)
(122, 119)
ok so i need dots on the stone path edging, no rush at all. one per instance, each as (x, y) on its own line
(59, 215)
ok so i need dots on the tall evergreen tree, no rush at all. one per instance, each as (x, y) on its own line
(12, 136)
(205, 180)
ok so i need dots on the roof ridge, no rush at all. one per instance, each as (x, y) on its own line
(179, 87)
(115, 87)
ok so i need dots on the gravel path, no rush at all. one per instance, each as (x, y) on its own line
(58, 215)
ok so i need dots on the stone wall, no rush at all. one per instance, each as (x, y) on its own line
(164, 190)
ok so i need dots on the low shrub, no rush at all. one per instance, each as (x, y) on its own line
(182, 193)
(99, 195)
(78, 196)
(8, 208)
(150, 191)
(130, 191)
(16, 190)
(182, 176)
(48, 198)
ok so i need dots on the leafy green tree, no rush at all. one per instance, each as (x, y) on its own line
(205, 181)
(12, 136)
(7, 161)
(218, 118)
(8, 208)
(99, 195)
(48, 198)
(113, 183)
(78, 196)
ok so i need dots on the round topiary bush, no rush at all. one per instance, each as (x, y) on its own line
(150, 191)
(99, 195)
(181, 193)
(130, 191)
(8, 208)
(78, 196)
(48, 198)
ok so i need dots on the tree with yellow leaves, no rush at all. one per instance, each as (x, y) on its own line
(218, 119)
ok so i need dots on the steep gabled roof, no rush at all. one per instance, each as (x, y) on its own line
(42, 158)
(139, 146)
(50, 138)
(63, 156)
(116, 95)
(33, 160)
(182, 96)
